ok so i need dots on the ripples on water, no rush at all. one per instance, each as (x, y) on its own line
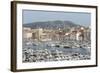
(43, 46)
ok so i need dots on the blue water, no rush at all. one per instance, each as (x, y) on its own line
(82, 51)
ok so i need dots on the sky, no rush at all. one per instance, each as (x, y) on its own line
(80, 18)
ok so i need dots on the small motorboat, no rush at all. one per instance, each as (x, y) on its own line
(66, 47)
(57, 45)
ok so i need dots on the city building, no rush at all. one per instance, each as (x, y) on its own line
(40, 34)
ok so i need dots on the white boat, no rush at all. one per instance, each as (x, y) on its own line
(50, 45)
(29, 43)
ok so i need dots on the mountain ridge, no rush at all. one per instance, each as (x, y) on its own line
(56, 24)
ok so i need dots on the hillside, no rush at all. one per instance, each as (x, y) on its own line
(51, 24)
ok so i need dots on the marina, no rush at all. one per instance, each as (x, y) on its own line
(55, 51)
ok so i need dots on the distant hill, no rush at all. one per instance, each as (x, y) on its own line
(51, 24)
